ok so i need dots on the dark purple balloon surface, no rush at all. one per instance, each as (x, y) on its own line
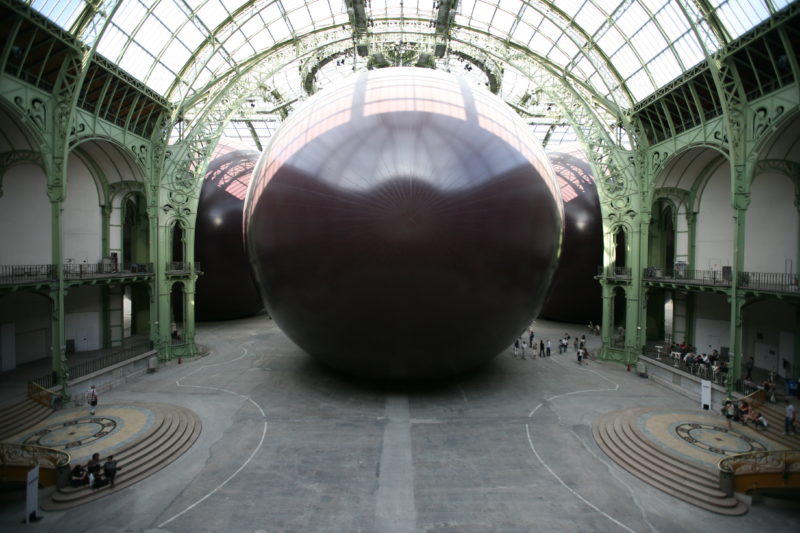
(574, 294)
(403, 225)
(227, 289)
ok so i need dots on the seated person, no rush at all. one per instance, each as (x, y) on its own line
(93, 467)
(743, 412)
(761, 422)
(79, 476)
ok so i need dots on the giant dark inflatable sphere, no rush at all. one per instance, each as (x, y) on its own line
(574, 294)
(227, 288)
(403, 225)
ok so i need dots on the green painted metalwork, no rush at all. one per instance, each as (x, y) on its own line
(628, 143)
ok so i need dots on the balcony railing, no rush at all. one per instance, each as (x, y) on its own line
(182, 267)
(696, 277)
(769, 281)
(614, 272)
(763, 281)
(85, 270)
(93, 365)
(11, 274)
(22, 274)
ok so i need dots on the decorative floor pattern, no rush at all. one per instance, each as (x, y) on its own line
(81, 434)
(700, 437)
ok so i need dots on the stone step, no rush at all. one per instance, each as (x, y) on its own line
(177, 431)
(774, 413)
(651, 454)
(20, 416)
(650, 464)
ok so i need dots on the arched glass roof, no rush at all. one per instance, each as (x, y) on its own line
(639, 44)
(620, 50)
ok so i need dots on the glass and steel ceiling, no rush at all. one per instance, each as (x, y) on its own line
(620, 50)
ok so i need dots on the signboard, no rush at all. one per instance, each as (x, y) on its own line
(32, 500)
(705, 394)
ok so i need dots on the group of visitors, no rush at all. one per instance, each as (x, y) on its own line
(543, 347)
(743, 413)
(94, 474)
(540, 349)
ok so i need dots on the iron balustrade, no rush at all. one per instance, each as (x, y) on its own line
(763, 281)
(22, 274)
(87, 367)
(703, 371)
(769, 281)
(615, 272)
(694, 277)
(183, 267)
(12, 274)
(104, 269)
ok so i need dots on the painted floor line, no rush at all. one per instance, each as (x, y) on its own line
(551, 471)
(250, 458)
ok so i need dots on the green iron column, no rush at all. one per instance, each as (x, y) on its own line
(55, 193)
(607, 325)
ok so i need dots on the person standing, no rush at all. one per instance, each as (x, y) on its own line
(548, 347)
(788, 421)
(516, 348)
(91, 399)
(530, 339)
(110, 470)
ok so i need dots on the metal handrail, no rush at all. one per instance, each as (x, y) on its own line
(40, 395)
(761, 461)
(87, 367)
(21, 274)
(28, 454)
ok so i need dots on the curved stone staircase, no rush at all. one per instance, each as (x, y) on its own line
(174, 431)
(20, 416)
(619, 437)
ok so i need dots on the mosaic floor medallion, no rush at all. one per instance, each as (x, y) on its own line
(81, 434)
(717, 439)
(73, 433)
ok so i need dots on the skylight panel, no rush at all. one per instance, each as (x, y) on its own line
(567, 46)
(191, 35)
(648, 43)
(610, 41)
(300, 20)
(136, 61)
(522, 33)
(541, 44)
(235, 41)
(62, 13)
(279, 30)
(169, 13)
(633, 18)
(672, 21)
(664, 68)
(590, 18)
(129, 15)
(625, 61)
(212, 13)
(689, 50)
(261, 40)
(112, 42)
(161, 79)
(739, 16)
(551, 30)
(153, 35)
(502, 22)
(176, 56)
(640, 85)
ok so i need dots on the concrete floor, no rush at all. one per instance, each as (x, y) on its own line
(289, 447)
